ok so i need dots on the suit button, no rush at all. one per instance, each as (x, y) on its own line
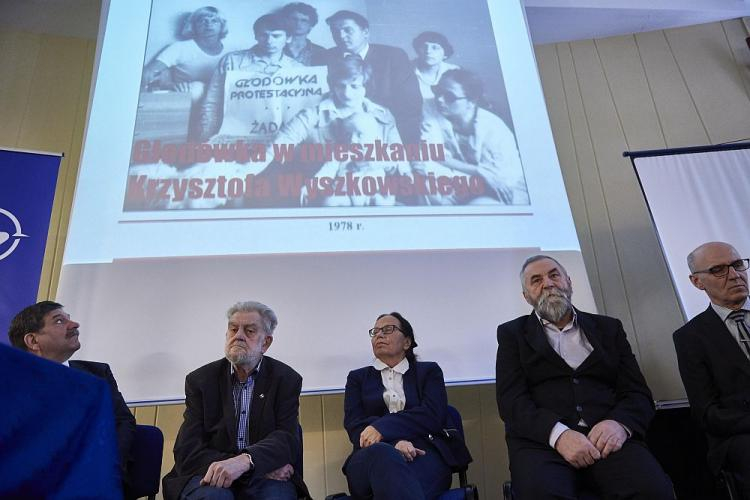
(575, 380)
(579, 408)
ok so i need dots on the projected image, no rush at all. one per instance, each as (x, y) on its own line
(345, 103)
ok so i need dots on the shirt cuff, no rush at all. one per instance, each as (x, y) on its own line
(557, 430)
(627, 430)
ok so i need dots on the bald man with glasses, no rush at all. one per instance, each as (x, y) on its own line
(713, 351)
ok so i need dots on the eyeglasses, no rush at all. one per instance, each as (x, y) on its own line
(386, 330)
(722, 270)
(447, 96)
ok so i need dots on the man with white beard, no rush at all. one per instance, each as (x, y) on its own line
(575, 404)
(239, 438)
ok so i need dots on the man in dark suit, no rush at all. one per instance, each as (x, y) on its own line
(239, 434)
(712, 352)
(46, 330)
(575, 404)
(393, 83)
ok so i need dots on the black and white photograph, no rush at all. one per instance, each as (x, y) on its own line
(345, 103)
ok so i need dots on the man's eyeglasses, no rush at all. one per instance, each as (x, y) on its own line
(386, 330)
(722, 270)
(447, 96)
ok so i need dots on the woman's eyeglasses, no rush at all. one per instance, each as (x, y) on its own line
(447, 96)
(386, 330)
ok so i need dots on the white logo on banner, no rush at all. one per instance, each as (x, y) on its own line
(17, 235)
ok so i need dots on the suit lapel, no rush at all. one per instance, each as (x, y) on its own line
(591, 333)
(538, 340)
(724, 339)
(260, 388)
(227, 403)
(410, 387)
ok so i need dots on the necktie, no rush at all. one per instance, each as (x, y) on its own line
(739, 318)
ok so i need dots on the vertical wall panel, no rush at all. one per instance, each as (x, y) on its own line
(313, 457)
(18, 58)
(714, 81)
(680, 122)
(554, 93)
(604, 252)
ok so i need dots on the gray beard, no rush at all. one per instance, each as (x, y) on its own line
(553, 307)
(247, 359)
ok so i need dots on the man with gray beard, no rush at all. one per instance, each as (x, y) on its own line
(575, 404)
(239, 438)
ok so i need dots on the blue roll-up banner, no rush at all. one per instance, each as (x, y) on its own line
(27, 190)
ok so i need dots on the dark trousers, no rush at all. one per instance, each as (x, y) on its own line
(381, 472)
(631, 473)
(737, 463)
(258, 488)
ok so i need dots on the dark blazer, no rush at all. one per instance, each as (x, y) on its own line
(124, 420)
(716, 375)
(394, 86)
(421, 421)
(209, 431)
(536, 388)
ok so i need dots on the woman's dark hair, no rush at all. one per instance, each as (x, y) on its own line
(408, 331)
(433, 37)
(342, 68)
(470, 82)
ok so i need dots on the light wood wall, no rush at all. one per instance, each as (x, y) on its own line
(669, 88)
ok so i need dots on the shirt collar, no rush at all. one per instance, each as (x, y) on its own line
(573, 322)
(402, 366)
(66, 363)
(723, 312)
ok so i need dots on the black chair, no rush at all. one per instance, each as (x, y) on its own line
(465, 491)
(145, 470)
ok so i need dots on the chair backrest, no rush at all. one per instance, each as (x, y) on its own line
(455, 419)
(145, 471)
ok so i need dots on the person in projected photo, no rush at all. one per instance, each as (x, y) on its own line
(345, 114)
(392, 83)
(575, 404)
(239, 437)
(395, 410)
(272, 34)
(713, 353)
(302, 19)
(187, 65)
(432, 49)
(477, 143)
(46, 330)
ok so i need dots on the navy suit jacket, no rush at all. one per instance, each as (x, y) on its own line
(716, 375)
(209, 431)
(421, 421)
(124, 419)
(536, 388)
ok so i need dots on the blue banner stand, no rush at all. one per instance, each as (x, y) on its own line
(27, 191)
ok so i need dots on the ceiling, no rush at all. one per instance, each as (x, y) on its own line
(549, 20)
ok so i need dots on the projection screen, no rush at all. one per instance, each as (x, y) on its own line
(231, 173)
(696, 195)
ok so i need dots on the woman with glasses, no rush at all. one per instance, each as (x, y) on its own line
(394, 412)
(480, 149)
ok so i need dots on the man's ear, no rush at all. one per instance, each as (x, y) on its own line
(697, 282)
(31, 342)
(267, 342)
